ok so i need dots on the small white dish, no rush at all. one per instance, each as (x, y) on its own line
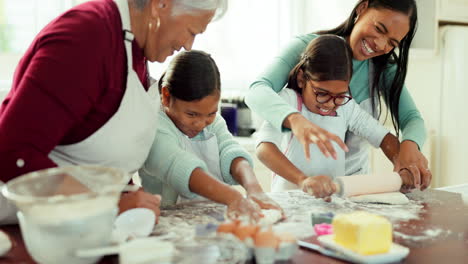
(134, 223)
(147, 250)
(140, 250)
(264, 255)
(395, 254)
(286, 250)
(5, 243)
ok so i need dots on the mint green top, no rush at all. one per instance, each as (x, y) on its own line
(264, 100)
(169, 165)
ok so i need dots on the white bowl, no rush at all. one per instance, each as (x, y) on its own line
(135, 223)
(5, 243)
(64, 209)
(56, 243)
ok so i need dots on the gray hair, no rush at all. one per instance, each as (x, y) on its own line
(180, 7)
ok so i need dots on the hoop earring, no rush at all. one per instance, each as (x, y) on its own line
(356, 18)
(158, 24)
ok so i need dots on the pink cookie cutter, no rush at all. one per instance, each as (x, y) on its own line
(323, 229)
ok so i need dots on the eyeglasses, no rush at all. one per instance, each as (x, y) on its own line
(325, 97)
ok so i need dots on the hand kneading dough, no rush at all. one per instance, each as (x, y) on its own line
(384, 198)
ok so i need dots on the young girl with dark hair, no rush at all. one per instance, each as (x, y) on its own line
(319, 91)
(193, 153)
(379, 33)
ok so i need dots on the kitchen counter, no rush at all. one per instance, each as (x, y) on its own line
(434, 226)
(460, 188)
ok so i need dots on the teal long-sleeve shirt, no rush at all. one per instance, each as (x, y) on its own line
(264, 100)
(168, 168)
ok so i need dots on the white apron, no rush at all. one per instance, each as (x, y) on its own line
(124, 141)
(318, 163)
(207, 150)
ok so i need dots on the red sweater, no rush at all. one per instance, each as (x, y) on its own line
(68, 84)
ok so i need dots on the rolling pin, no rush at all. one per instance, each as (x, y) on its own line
(347, 186)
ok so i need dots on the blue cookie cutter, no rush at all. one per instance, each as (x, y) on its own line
(321, 218)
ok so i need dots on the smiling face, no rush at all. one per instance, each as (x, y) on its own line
(191, 117)
(174, 33)
(377, 32)
(314, 90)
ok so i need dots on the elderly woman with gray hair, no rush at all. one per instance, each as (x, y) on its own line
(81, 93)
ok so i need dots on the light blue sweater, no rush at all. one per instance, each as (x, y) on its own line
(168, 168)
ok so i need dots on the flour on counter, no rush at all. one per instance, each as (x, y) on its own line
(181, 221)
(426, 236)
(422, 196)
(270, 217)
(298, 206)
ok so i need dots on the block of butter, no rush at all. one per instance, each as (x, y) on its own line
(363, 232)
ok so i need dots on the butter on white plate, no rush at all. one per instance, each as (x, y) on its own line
(364, 238)
(395, 254)
(5, 243)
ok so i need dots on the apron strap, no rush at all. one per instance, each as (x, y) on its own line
(299, 108)
(299, 102)
(124, 11)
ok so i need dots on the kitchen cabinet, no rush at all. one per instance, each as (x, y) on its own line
(431, 15)
(453, 11)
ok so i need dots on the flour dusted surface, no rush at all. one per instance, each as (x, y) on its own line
(181, 221)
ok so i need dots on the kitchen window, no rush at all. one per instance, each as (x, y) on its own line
(242, 42)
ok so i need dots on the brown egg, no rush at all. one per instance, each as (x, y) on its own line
(227, 227)
(266, 238)
(244, 231)
(287, 237)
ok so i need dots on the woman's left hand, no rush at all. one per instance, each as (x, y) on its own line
(265, 202)
(412, 167)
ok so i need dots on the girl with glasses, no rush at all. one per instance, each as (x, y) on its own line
(319, 90)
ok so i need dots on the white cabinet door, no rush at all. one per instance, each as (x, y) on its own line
(454, 11)
(454, 125)
(426, 35)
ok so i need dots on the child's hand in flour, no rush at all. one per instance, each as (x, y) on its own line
(265, 202)
(245, 209)
(320, 186)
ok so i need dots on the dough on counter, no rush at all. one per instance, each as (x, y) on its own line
(270, 217)
(384, 198)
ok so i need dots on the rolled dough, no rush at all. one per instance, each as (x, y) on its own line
(384, 198)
